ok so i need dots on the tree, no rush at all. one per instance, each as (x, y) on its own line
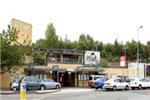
(108, 52)
(146, 55)
(39, 58)
(132, 50)
(51, 37)
(85, 42)
(41, 43)
(12, 57)
(104, 63)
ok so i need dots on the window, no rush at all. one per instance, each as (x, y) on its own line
(90, 77)
(116, 80)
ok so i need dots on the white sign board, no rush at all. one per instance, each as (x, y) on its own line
(122, 63)
(136, 70)
(91, 57)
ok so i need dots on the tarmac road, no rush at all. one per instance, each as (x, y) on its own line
(85, 94)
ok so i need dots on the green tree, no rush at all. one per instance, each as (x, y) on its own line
(132, 50)
(39, 58)
(104, 63)
(86, 42)
(108, 52)
(146, 54)
(41, 43)
(51, 37)
(12, 57)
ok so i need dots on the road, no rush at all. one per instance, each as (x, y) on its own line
(85, 94)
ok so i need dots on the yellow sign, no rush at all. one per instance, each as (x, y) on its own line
(22, 95)
(23, 91)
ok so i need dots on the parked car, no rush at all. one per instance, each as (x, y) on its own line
(124, 78)
(100, 82)
(14, 85)
(32, 83)
(50, 84)
(116, 84)
(139, 83)
(92, 79)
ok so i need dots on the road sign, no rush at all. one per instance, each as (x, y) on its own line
(122, 61)
(22, 91)
(123, 58)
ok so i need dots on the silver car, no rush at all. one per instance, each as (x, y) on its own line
(50, 84)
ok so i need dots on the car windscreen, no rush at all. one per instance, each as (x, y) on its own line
(90, 77)
(100, 79)
(96, 78)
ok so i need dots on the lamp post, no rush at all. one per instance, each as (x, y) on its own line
(125, 52)
(102, 54)
(138, 49)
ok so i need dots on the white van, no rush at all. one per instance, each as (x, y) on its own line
(92, 79)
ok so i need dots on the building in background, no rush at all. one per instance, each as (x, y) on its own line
(25, 31)
(69, 65)
(24, 35)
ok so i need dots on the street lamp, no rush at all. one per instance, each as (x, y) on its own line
(138, 48)
(125, 52)
(102, 54)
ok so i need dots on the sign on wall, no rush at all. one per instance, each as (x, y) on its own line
(136, 70)
(91, 57)
(123, 61)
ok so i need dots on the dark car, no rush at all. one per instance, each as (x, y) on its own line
(32, 83)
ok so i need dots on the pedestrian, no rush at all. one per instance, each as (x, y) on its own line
(61, 80)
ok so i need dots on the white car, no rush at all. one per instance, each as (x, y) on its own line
(116, 84)
(14, 85)
(139, 83)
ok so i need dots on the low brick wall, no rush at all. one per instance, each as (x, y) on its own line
(116, 71)
(5, 81)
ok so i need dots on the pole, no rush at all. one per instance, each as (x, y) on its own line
(138, 50)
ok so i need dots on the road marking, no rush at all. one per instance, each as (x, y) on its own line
(72, 90)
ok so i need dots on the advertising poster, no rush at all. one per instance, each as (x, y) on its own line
(92, 57)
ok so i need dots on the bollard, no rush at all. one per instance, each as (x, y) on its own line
(22, 91)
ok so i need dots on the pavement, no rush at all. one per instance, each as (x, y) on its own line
(63, 90)
(7, 92)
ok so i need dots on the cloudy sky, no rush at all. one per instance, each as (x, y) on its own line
(104, 20)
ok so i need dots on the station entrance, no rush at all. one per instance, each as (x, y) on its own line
(65, 78)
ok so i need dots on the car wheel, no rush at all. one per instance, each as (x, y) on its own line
(14, 89)
(96, 88)
(127, 88)
(132, 88)
(107, 89)
(42, 88)
(57, 86)
(114, 88)
(140, 87)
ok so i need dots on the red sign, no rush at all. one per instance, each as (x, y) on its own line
(123, 58)
(122, 61)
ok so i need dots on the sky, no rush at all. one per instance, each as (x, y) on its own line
(104, 20)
